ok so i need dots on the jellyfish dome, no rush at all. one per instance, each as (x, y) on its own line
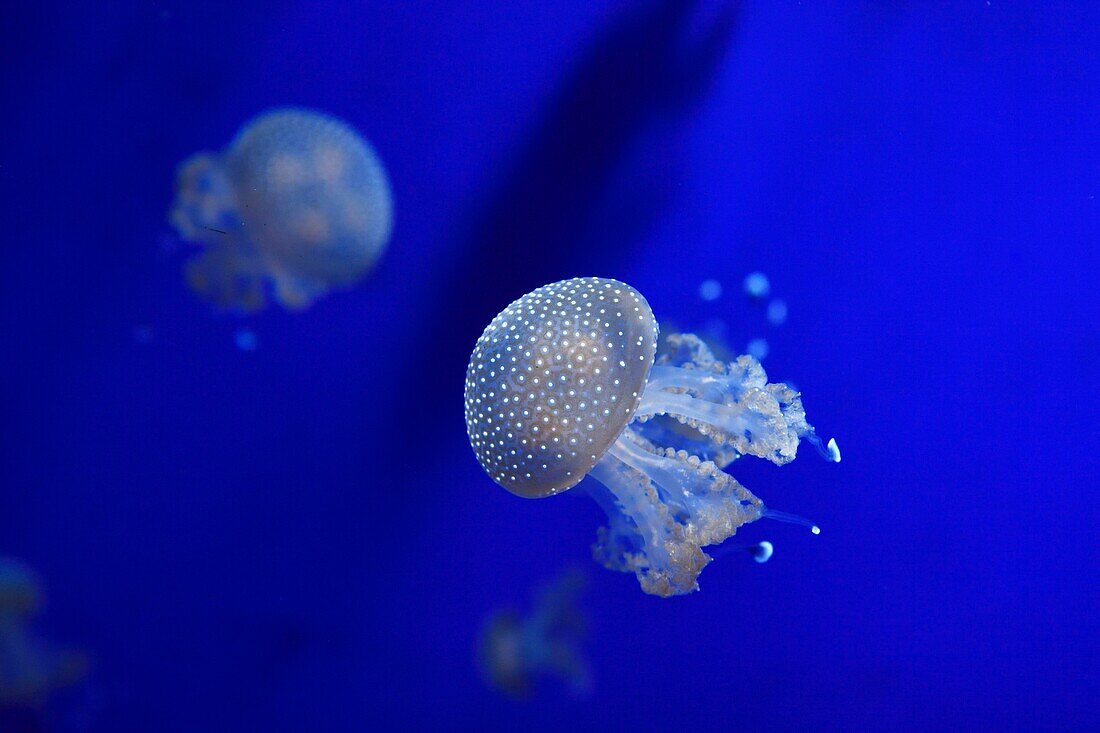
(297, 205)
(566, 382)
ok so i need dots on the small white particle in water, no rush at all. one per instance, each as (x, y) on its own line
(758, 349)
(834, 450)
(757, 285)
(777, 312)
(143, 334)
(246, 340)
(710, 290)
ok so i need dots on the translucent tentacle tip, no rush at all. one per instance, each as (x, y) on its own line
(830, 452)
(762, 552)
(792, 519)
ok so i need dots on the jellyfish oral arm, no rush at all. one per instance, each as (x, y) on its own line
(665, 504)
(663, 508)
(739, 409)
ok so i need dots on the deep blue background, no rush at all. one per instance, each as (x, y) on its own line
(299, 538)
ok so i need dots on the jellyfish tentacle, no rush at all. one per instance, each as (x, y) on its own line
(791, 519)
(641, 535)
(664, 507)
(205, 209)
(227, 279)
(738, 410)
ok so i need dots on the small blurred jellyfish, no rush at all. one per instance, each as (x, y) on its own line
(710, 290)
(30, 668)
(514, 651)
(297, 205)
(777, 312)
(246, 340)
(758, 349)
(756, 285)
(566, 382)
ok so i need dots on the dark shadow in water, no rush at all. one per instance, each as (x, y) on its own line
(650, 66)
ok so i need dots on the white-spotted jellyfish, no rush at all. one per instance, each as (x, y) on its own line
(297, 205)
(566, 383)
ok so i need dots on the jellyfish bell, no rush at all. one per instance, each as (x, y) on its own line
(564, 383)
(554, 380)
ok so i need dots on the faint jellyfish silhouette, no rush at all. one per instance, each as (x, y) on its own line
(562, 384)
(514, 651)
(298, 203)
(30, 668)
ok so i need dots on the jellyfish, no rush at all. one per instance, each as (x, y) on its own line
(514, 650)
(30, 668)
(297, 205)
(565, 383)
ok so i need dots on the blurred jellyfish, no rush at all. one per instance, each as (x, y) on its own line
(756, 285)
(298, 204)
(30, 668)
(758, 349)
(710, 290)
(777, 312)
(563, 384)
(514, 651)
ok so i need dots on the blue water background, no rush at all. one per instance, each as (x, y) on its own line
(298, 537)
